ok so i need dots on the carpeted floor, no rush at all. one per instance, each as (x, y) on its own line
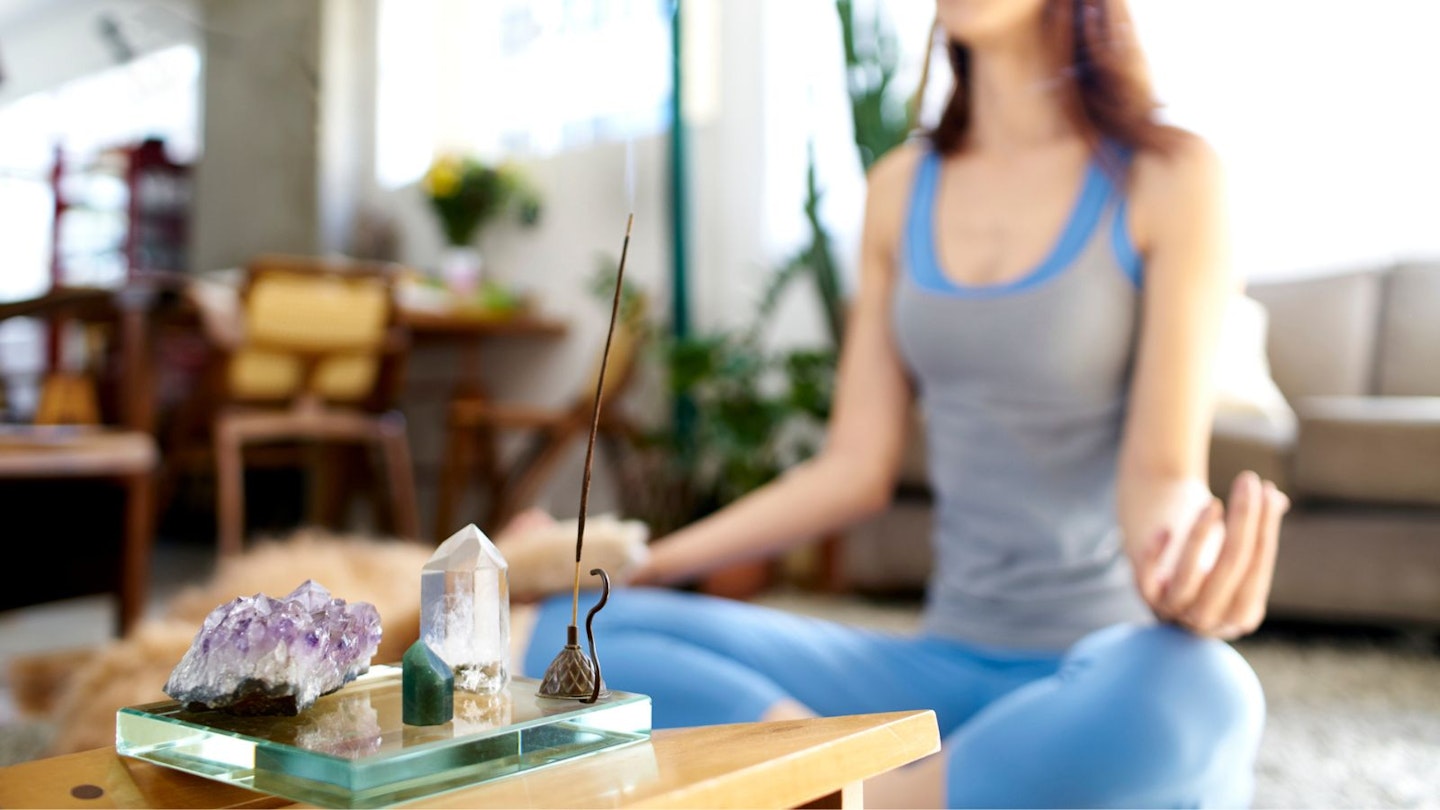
(1353, 722)
(1354, 717)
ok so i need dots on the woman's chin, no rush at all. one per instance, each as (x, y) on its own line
(977, 22)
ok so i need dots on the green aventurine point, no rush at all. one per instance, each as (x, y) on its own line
(427, 687)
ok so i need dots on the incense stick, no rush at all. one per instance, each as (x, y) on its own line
(595, 422)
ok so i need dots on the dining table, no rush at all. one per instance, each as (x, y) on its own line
(149, 317)
(434, 317)
(209, 303)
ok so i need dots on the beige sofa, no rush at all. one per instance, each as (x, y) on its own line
(1350, 428)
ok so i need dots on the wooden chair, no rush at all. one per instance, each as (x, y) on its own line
(69, 439)
(317, 360)
(474, 428)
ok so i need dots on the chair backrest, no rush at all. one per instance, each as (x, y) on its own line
(312, 325)
(625, 346)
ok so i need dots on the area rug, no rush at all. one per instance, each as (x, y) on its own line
(1352, 722)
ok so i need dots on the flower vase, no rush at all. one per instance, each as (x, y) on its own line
(460, 268)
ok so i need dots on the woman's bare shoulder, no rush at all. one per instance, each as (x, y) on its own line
(1188, 161)
(888, 185)
(1168, 185)
(893, 172)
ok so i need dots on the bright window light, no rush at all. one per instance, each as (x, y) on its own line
(516, 77)
(1323, 113)
(156, 94)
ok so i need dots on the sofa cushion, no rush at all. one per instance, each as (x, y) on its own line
(1409, 351)
(1372, 449)
(891, 551)
(1322, 332)
(1373, 564)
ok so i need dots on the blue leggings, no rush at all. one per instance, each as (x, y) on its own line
(1130, 716)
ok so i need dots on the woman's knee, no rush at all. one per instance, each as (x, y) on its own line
(1137, 716)
(1202, 688)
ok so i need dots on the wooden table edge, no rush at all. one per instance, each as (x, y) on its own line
(461, 324)
(859, 755)
(826, 757)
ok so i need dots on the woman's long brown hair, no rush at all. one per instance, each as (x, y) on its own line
(1105, 82)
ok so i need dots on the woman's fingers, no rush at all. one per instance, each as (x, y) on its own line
(1254, 590)
(1218, 591)
(1147, 567)
(1213, 602)
(1185, 582)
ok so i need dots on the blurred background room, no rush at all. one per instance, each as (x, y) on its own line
(346, 266)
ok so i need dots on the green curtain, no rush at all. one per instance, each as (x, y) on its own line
(679, 215)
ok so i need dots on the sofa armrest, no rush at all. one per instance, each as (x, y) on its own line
(1243, 441)
(1374, 449)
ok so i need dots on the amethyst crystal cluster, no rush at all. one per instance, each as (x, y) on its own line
(258, 655)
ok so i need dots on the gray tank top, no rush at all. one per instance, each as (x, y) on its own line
(1023, 388)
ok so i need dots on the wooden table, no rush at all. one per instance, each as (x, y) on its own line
(128, 457)
(464, 324)
(791, 763)
(137, 309)
(210, 306)
(467, 329)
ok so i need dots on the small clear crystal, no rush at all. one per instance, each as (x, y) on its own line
(465, 610)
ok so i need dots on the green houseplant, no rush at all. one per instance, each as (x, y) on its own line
(760, 409)
(734, 361)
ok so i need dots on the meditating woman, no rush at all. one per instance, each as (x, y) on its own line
(1046, 271)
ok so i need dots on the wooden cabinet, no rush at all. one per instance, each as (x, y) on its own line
(119, 217)
(159, 211)
(122, 215)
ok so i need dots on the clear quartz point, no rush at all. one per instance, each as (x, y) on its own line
(465, 610)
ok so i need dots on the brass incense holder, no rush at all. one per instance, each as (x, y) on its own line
(573, 674)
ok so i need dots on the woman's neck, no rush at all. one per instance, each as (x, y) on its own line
(1015, 96)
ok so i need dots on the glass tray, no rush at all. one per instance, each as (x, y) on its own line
(351, 748)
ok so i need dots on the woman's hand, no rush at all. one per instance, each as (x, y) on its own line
(1218, 591)
(540, 551)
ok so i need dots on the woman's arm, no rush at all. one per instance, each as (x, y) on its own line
(852, 477)
(1195, 564)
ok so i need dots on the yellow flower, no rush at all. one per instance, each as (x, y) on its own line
(443, 179)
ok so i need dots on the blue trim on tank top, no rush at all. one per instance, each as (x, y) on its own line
(1130, 262)
(1096, 190)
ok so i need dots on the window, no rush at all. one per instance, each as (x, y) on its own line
(1323, 115)
(1325, 121)
(516, 77)
(155, 94)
